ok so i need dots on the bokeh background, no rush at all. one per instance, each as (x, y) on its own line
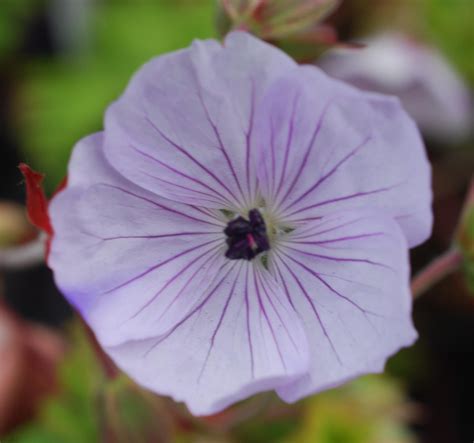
(61, 63)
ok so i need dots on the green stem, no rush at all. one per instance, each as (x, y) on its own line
(436, 271)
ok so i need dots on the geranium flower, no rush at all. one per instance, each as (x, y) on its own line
(428, 87)
(242, 224)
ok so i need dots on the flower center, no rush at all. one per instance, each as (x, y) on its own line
(246, 238)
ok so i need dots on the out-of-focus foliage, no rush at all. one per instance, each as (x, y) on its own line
(465, 237)
(13, 14)
(70, 417)
(14, 227)
(91, 408)
(29, 355)
(450, 26)
(469, 250)
(64, 99)
(131, 414)
(372, 409)
(270, 420)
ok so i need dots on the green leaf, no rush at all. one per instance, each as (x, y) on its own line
(449, 24)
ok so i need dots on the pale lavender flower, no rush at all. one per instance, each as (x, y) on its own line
(320, 189)
(428, 87)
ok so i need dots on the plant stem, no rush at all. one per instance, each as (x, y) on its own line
(436, 271)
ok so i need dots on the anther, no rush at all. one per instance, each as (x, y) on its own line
(246, 238)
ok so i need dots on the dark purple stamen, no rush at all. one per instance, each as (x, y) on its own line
(246, 238)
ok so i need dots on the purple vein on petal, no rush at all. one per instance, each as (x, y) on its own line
(273, 160)
(309, 148)
(159, 205)
(269, 298)
(209, 213)
(347, 280)
(248, 135)
(219, 323)
(158, 265)
(247, 313)
(193, 311)
(365, 312)
(222, 146)
(315, 311)
(336, 240)
(212, 259)
(172, 279)
(340, 259)
(330, 173)
(328, 286)
(211, 198)
(287, 146)
(265, 314)
(151, 237)
(298, 235)
(180, 173)
(285, 287)
(192, 158)
(338, 199)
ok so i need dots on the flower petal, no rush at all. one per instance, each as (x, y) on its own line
(241, 338)
(183, 126)
(328, 147)
(131, 262)
(347, 276)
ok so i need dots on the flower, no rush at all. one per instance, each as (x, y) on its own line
(431, 91)
(242, 224)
